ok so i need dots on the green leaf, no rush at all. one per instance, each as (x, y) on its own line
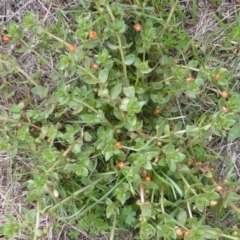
(168, 232)
(129, 215)
(174, 184)
(81, 171)
(116, 90)
(132, 120)
(172, 165)
(111, 46)
(135, 106)
(182, 216)
(3, 113)
(129, 92)
(234, 197)
(129, 59)
(103, 75)
(87, 137)
(147, 231)
(193, 64)
(234, 132)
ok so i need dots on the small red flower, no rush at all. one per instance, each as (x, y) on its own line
(157, 111)
(148, 179)
(224, 94)
(72, 48)
(95, 66)
(224, 109)
(218, 76)
(189, 79)
(92, 34)
(119, 145)
(137, 27)
(121, 165)
(6, 38)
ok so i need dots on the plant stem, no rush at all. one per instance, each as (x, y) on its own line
(188, 186)
(75, 194)
(189, 209)
(126, 82)
(67, 44)
(141, 190)
(222, 235)
(166, 25)
(21, 71)
(37, 222)
(94, 110)
(113, 227)
(162, 204)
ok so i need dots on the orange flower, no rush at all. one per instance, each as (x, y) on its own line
(137, 27)
(224, 109)
(121, 165)
(5, 38)
(179, 232)
(92, 34)
(217, 76)
(224, 94)
(119, 145)
(148, 179)
(213, 203)
(95, 66)
(186, 234)
(157, 111)
(218, 188)
(72, 48)
(189, 79)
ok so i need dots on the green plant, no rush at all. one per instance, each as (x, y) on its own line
(119, 96)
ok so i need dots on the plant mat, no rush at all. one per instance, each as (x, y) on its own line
(12, 192)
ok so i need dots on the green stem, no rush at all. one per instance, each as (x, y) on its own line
(162, 204)
(87, 209)
(74, 194)
(144, 57)
(189, 209)
(166, 25)
(86, 105)
(113, 227)
(64, 154)
(21, 71)
(188, 186)
(230, 203)
(67, 44)
(222, 235)
(126, 82)
(37, 221)
(136, 83)
(94, 110)
(89, 73)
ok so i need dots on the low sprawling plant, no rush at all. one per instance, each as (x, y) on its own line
(116, 137)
